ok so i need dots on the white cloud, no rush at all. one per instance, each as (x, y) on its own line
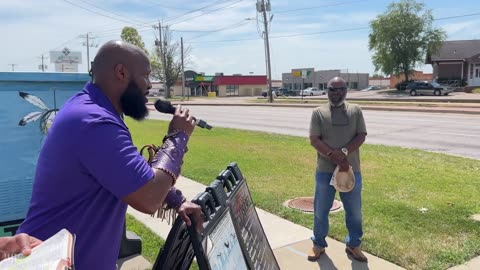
(34, 27)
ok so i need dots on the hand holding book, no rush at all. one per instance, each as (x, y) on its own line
(20, 243)
(54, 253)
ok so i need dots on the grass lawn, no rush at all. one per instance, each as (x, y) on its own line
(397, 182)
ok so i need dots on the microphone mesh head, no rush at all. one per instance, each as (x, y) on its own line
(164, 106)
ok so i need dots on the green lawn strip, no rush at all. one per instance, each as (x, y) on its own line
(397, 182)
(151, 243)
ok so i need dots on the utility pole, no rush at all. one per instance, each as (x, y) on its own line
(43, 66)
(263, 7)
(183, 69)
(162, 44)
(13, 66)
(89, 45)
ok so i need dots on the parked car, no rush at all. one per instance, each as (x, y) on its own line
(402, 85)
(427, 88)
(265, 93)
(312, 91)
(287, 92)
(371, 88)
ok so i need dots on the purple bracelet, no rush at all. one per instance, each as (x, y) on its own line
(169, 158)
(174, 198)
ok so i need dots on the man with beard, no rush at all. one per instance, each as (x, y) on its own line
(337, 130)
(89, 171)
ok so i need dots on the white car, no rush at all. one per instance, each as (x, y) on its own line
(312, 91)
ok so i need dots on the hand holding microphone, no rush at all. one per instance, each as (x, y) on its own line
(164, 106)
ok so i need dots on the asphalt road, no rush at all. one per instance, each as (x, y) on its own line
(455, 134)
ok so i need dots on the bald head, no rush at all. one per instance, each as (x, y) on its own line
(337, 82)
(122, 71)
(115, 53)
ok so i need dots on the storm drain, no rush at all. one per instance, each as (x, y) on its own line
(305, 204)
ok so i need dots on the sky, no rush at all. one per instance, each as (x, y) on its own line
(224, 35)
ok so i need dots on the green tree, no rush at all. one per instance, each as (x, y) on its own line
(377, 76)
(130, 35)
(402, 37)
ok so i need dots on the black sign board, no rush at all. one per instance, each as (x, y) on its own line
(255, 244)
(233, 237)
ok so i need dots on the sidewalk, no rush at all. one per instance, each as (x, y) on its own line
(460, 108)
(289, 241)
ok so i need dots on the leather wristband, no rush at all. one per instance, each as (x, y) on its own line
(169, 157)
(174, 198)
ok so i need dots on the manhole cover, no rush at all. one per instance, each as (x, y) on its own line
(305, 204)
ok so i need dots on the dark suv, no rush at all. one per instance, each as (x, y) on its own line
(288, 92)
(427, 88)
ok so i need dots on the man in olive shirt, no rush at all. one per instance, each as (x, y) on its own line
(337, 130)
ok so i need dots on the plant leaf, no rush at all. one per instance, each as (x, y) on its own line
(34, 100)
(33, 116)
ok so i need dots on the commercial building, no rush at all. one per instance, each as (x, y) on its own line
(457, 60)
(199, 84)
(302, 78)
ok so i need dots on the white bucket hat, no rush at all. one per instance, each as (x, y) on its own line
(343, 181)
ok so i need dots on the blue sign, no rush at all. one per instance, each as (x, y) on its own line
(28, 104)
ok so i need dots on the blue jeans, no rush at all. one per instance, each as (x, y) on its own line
(352, 203)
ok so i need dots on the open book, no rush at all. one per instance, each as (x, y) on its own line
(55, 253)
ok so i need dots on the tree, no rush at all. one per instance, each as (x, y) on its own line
(173, 65)
(402, 37)
(130, 35)
(377, 76)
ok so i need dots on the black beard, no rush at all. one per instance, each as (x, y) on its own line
(133, 102)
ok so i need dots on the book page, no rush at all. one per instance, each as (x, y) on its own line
(48, 254)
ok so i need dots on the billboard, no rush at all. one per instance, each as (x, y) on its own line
(65, 67)
(66, 60)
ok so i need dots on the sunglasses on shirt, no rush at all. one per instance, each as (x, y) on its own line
(336, 89)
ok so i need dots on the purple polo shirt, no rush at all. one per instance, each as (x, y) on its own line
(87, 164)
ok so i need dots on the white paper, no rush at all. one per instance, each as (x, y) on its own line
(45, 256)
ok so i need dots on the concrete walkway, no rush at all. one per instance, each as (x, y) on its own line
(289, 241)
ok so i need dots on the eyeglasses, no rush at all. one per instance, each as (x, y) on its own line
(336, 89)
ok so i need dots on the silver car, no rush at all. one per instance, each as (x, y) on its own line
(312, 91)
(427, 88)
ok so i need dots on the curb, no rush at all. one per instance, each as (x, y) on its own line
(401, 99)
(364, 107)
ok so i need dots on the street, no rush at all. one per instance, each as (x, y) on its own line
(455, 134)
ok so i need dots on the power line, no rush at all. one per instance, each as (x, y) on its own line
(233, 26)
(459, 16)
(155, 4)
(315, 7)
(98, 13)
(323, 32)
(116, 14)
(172, 17)
(211, 11)
(118, 33)
(198, 9)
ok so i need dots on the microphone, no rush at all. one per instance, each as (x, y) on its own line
(164, 106)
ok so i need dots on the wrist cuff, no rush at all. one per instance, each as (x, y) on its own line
(169, 157)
